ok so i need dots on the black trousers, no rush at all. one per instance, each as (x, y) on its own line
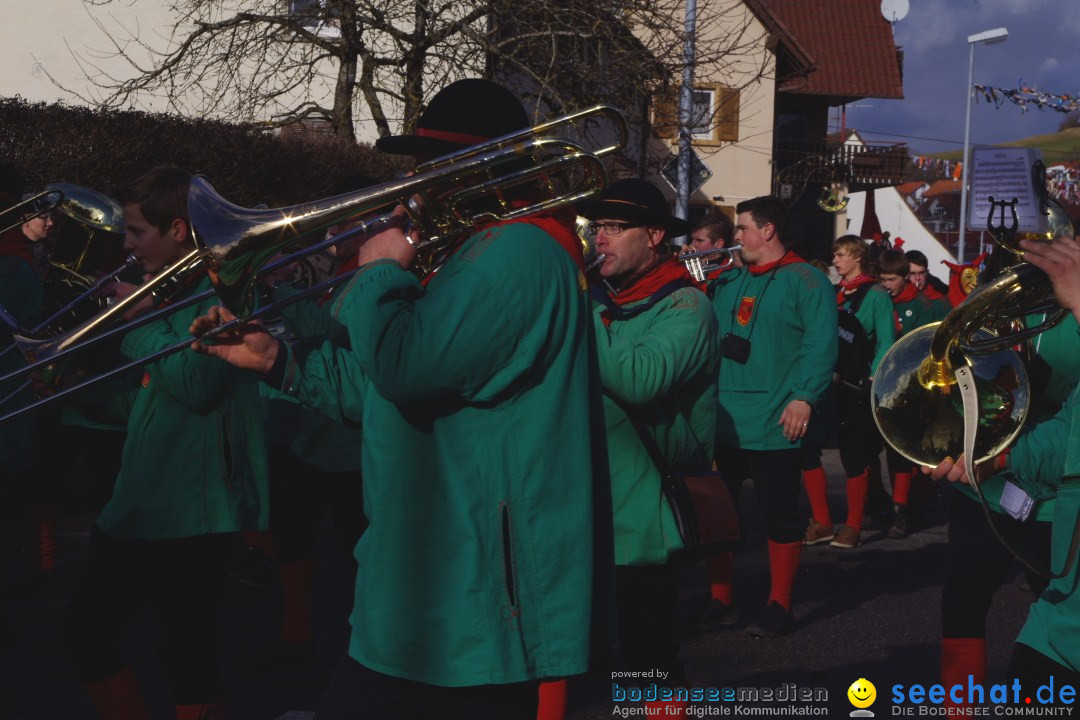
(776, 475)
(182, 581)
(977, 564)
(646, 596)
(359, 693)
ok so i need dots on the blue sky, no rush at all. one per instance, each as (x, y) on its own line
(1043, 50)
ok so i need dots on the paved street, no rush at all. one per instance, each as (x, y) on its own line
(864, 613)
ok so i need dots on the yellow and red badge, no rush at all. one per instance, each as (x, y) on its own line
(746, 310)
(146, 379)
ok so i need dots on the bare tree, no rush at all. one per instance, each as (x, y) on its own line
(292, 60)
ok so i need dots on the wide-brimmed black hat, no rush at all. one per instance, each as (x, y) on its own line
(635, 201)
(464, 113)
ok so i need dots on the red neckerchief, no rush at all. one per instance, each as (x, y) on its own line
(931, 292)
(788, 258)
(849, 286)
(909, 293)
(666, 272)
(14, 244)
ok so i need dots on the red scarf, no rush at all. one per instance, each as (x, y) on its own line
(788, 258)
(14, 243)
(847, 287)
(645, 286)
(909, 293)
(931, 292)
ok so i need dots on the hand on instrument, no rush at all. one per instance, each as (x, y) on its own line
(249, 346)
(389, 242)
(120, 290)
(956, 471)
(1060, 260)
(795, 419)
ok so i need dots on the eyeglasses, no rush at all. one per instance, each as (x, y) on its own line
(611, 229)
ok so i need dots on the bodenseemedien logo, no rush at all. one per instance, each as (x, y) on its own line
(862, 695)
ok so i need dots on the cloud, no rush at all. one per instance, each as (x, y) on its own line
(1048, 64)
(1011, 7)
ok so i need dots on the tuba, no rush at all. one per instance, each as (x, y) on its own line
(918, 393)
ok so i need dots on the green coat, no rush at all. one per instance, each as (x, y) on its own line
(21, 293)
(1046, 462)
(919, 311)
(194, 461)
(317, 440)
(793, 350)
(661, 362)
(473, 395)
(875, 314)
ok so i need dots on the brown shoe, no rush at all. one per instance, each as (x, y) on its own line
(846, 538)
(817, 533)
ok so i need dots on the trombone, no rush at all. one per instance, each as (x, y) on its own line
(37, 205)
(444, 199)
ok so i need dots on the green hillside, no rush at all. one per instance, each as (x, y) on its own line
(1056, 147)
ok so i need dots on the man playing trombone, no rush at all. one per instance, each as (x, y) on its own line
(472, 388)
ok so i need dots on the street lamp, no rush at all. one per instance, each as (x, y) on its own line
(989, 37)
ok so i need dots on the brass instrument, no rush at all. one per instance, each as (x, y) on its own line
(916, 397)
(32, 207)
(444, 198)
(696, 262)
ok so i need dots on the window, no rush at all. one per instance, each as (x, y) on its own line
(313, 15)
(714, 115)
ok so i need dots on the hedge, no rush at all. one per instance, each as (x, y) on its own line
(248, 164)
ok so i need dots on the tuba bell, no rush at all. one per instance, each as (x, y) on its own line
(917, 399)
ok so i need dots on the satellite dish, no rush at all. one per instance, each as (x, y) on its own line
(894, 10)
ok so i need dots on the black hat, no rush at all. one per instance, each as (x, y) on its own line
(464, 113)
(636, 201)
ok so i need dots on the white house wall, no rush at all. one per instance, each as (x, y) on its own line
(898, 220)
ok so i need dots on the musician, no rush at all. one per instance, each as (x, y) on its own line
(710, 232)
(866, 341)
(777, 323)
(656, 342)
(476, 572)
(193, 473)
(927, 284)
(1044, 462)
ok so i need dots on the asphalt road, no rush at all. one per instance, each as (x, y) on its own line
(871, 612)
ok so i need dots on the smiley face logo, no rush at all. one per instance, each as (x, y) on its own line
(862, 693)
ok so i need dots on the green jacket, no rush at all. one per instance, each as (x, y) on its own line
(919, 311)
(1046, 463)
(21, 293)
(317, 440)
(194, 461)
(789, 317)
(875, 314)
(473, 395)
(662, 363)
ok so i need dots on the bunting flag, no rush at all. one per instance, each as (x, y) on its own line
(1026, 97)
(948, 169)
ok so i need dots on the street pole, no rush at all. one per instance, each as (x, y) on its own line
(686, 107)
(964, 158)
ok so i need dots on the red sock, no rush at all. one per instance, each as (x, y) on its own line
(856, 500)
(961, 657)
(117, 697)
(721, 571)
(46, 529)
(552, 700)
(901, 486)
(783, 565)
(814, 481)
(296, 580)
(201, 711)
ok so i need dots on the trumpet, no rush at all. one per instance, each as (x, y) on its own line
(696, 262)
(445, 199)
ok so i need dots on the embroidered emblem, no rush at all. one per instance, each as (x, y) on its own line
(146, 379)
(746, 310)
